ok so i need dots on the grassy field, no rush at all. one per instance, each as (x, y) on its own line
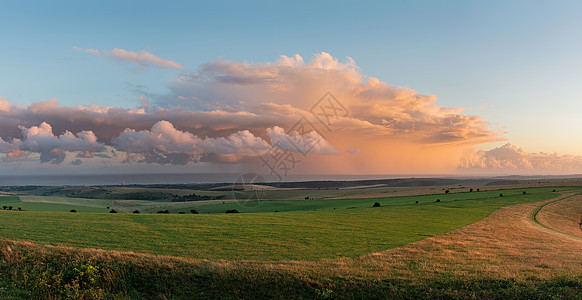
(313, 230)
(506, 255)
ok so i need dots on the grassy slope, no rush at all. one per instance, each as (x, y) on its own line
(504, 256)
(303, 235)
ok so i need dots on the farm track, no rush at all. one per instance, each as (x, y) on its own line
(545, 216)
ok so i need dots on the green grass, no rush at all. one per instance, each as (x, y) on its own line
(329, 204)
(9, 199)
(299, 235)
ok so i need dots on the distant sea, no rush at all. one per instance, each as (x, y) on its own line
(118, 179)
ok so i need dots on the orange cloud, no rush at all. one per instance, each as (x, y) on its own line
(229, 111)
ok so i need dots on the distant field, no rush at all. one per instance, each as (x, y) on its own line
(304, 235)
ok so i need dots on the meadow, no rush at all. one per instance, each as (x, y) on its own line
(465, 245)
(301, 230)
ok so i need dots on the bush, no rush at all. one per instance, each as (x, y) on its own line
(470, 190)
(181, 213)
(72, 210)
(416, 202)
(113, 211)
(20, 208)
(163, 211)
(9, 207)
(438, 200)
(447, 191)
(193, 211)
(376, 204)
(136, 211)
(4, 207)
(500, 195)
(524, 192)
(232, 211)
(477, 190)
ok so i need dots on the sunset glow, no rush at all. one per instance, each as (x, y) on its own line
(98, 103)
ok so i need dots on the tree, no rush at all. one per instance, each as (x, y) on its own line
(193, 211)
(136, 211)
(113, 211)
(500, 195)
(72, 210)
(232, 211)
(447, 191)
(470, 190)
(376, 204)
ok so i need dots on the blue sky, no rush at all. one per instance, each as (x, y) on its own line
(515, 64)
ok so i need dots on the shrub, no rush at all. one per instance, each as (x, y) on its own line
(416, 202)
(447, 191)
(181, 213)
(500, 195)
(193, 211)
(72, 210)
(20, 208)
(136, 211)
(477, 190)
(524, 192)
(232, 211)
(554, 191)
(470, 190)
(163, 211)
(9, 207)
(438, 200)
(376, 204)
(4, 207)
(113, 211)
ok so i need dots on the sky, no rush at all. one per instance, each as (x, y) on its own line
(319, 87)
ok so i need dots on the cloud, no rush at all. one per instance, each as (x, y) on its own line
(292, 81)
(511, 157)
(40, 139)
(309, 143)
(142, 58)
(165, 144)
(226, 111)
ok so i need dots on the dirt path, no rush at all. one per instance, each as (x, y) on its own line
(563, 216)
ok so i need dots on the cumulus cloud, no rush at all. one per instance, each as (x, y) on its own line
(300, 84)
(41, 139)
(141, 58)
(165, 144)
(511, 157)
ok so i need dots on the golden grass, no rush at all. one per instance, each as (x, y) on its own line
(563, 216)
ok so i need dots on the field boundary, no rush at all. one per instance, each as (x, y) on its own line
(536, 211)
